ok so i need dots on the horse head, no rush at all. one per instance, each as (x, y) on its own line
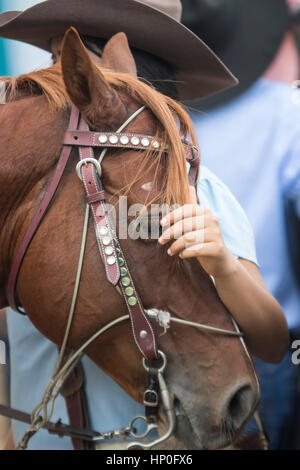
(210, 376)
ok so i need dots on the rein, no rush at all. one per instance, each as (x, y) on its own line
(118, 273)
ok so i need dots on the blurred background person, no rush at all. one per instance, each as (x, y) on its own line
(250, 138)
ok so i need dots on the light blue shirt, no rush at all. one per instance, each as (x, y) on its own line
(33, 357)
(253, 145)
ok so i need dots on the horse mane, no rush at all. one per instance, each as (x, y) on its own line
(170, 118)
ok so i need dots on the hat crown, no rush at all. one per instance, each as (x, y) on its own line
(172, 8)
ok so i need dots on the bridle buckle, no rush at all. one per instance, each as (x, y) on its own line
(85, 162)
(150, 398)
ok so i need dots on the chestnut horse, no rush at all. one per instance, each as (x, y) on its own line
(210, 375)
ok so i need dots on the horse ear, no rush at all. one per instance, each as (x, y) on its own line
(117, 55)
(87, 87)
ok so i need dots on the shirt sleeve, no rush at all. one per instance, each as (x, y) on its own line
(235, 226)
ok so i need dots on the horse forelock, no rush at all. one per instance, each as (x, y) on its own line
(172, 122)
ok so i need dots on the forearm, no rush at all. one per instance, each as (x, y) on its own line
(256, 311)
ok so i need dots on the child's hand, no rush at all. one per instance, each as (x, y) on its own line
(198, 235)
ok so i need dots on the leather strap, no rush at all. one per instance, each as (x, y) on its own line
(96, 197)
(103, 228)
(54, 428)
(76, 402)
(86, 138)
(111, 254)
(35, 222)
(193, 158)
(109, 140)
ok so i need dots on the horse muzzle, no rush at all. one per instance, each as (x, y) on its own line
(212, 427)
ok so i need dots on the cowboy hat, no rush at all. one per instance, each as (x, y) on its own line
(245, 34)
(150, 25)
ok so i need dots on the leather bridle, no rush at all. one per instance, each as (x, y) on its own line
(118, 274)
(89, 171)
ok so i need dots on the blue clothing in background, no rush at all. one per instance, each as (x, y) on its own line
(253, 145)
(33, 357)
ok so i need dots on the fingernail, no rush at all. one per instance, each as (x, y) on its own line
(169, 252)
(160, 240)
(163, 221)
(180, 255)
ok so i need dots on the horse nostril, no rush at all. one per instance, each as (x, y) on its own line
(239, 407)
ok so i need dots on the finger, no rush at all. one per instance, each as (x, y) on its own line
(180, 228)
(199, 250)
(188, 210)
(193, 195)
(189, 239)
